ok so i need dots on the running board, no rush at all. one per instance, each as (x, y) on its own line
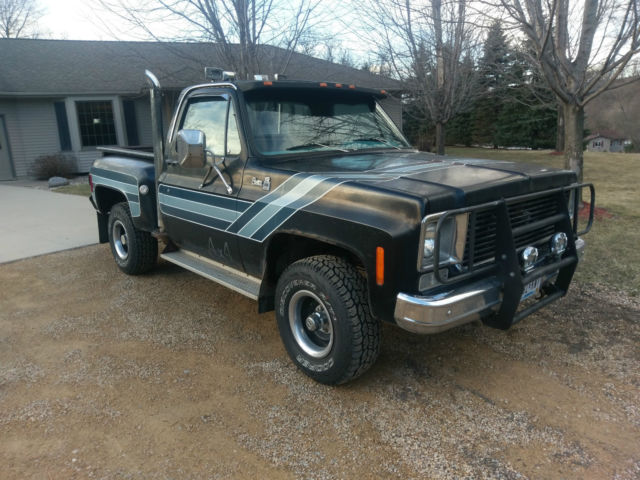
(229, 277)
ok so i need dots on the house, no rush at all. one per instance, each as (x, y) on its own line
(606, 141)
(71, 96)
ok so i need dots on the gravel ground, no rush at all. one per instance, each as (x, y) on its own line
(169, 376)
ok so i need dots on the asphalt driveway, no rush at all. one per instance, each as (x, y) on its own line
(34, 222)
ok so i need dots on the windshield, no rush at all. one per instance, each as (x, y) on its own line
(288, 122)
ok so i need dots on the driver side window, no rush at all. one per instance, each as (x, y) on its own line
(209, 115)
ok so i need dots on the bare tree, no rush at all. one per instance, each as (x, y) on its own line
(237, 27)
(580, 48)
(18, 18)
(430, 46)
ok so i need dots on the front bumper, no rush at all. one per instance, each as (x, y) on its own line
(436, 313)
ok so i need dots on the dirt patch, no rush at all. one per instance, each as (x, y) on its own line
(171, 376)
(599, 213)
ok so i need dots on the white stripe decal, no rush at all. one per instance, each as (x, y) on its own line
(330, 186)
(211, 211)
(273, 207)
(125, 188)
(134, 207)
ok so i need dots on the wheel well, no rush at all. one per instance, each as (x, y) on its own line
(107, 198)
(285, 249)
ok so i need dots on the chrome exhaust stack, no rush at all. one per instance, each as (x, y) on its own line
(155, 95)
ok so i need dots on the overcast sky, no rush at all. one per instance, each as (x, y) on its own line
(87, 20)
(78, 20)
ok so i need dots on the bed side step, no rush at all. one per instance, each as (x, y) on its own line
(229, 277)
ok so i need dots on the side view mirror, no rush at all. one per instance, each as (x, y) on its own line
(191, 146)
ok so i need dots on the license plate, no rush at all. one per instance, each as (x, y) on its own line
(531, 288)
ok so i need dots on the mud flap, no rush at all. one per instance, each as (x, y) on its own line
(103, 232)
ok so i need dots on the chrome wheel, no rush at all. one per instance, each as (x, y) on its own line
(120, 240)
(310, 324)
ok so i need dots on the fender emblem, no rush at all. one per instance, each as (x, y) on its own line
(265, 184)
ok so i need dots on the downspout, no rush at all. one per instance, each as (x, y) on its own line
(155, 95)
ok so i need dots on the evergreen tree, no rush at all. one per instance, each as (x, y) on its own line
(528, 117)
(493, 71)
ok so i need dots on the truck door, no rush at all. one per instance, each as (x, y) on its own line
(194, 203)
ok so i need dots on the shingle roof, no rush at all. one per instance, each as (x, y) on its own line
(610, 134)
(42, 67)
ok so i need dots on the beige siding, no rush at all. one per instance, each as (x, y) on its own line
(85, 159)
(143, 120)
(604, 144)
(32, 129)
(393, 108)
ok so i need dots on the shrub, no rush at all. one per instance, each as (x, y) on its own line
(55, 165)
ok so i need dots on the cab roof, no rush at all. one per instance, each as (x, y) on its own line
(252, 85)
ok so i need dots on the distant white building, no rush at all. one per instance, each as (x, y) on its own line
(606, 141)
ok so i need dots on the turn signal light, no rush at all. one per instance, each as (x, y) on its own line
(379, 266)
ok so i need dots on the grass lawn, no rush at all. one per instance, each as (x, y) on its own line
(76, 189)
(612, 253)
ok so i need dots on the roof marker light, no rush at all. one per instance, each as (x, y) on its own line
(323, 84)
(338, 85)
(352, 86)
(383, 92)
(268, 84)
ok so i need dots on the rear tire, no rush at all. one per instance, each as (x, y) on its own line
(324, 319)
(135, 251)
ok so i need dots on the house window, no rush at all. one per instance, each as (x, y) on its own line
(95, 120)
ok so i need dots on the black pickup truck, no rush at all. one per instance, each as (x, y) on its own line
(307, 198)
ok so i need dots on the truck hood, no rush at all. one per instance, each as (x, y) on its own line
(444, 182)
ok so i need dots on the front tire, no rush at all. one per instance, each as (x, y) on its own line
(135, 251)
(324, 319)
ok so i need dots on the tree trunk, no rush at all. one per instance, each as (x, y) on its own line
(573, 138)
(440, 138)
(560, 129)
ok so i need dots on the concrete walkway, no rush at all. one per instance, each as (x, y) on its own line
(34, 222)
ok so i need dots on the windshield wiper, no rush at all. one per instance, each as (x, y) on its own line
(377, 139)
(315, 144)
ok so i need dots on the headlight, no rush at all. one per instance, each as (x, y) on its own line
(453, 235)
(429, 244)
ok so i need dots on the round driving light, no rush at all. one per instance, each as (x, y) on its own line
(529, 257)
(559, 243)
(429, 245)
(143, 189)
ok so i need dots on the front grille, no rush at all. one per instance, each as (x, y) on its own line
(481, 234)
